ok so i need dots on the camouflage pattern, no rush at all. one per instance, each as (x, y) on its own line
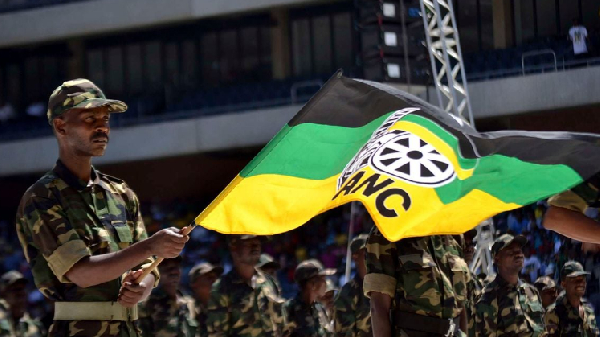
(309, 269)
(562, 319)
(26, 327)
(203, 269)
(79, 94)
(417, 273)
(506, 240)
(352, 311)
(509, 310)
(580, 197)
(474, 291)
(544, 282)
(305, 320)
(358, 243)
(201, 314)
(61, 220)
(164, 316)
(236, 308)
(572, 269)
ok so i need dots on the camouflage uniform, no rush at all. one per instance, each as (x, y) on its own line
(27, 326)
(562, 319)
(352, 311)
(474, 291)
(267, 261)
(425, 277)
(236, 308)
(352, 315)
(201, 315)
(506, 309)
(61, 220)
(163, 316)
(303, 319)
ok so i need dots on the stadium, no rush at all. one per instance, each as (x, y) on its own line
(209, 83)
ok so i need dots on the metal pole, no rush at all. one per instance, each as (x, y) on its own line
(431, 57)
(405, 42)
(348, 252)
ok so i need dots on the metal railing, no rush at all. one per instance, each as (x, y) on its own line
(538, 53)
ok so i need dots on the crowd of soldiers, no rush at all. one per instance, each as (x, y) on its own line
(422, 285)
(83, 236)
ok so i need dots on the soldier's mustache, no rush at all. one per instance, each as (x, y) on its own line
(99, 136)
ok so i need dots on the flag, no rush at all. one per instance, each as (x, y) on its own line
(418, 170)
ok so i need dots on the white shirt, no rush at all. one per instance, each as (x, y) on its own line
(578, 34)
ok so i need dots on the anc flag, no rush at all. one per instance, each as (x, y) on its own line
(418, 170)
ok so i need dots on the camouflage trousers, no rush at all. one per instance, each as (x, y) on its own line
(413, 333)
(94, 329)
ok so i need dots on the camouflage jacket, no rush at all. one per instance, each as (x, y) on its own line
(474, 291)
(580, 197)
(304, 320)
(163, 316)
(26, 327)
(509, 310)
(201, 314)
(61, 220)
(352, 311)
(564, 320)
(236, 308)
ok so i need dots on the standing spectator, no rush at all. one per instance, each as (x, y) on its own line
(14, 318)
(578, 35)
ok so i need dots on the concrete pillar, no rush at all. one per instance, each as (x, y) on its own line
(503, 28)
(76, 61)
(280, 44)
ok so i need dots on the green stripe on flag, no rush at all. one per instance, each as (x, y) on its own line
(311, 151)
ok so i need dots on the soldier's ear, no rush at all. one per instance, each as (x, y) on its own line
(58, 124)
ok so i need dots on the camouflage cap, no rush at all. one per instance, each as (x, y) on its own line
(203, 269)
(267, 261)
(80, 93)
(10, 278)
(311, 268)
(572, 269)
(330, 286)
(544, 282)
(505, 240)
(358, 243)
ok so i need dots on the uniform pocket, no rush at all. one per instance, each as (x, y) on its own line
(123, 231)
(419, 278)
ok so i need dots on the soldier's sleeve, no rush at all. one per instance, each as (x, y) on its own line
(580, 197)
(551, 321)
(343, 313)
(381, 265)
(217, 317)
(47, 227)
(139, 231)
(485, 319)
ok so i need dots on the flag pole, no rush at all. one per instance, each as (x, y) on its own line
(146, 270)
(348, 252)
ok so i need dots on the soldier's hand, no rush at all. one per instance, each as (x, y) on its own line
(168, 243)
(131, 293)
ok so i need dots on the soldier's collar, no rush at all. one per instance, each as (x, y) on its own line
(237, 279)
(71, 179)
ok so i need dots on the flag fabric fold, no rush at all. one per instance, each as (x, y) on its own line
(418, 170)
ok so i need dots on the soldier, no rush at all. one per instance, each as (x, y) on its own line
(202, 277)
(422, 281)
(571, 314)
(352, 315)
(15, 321)
(82, 230)
(547, 289)
(305, 315)
(474, 283)
(566, 214)
(243, 302)
(267, 265)
(167, 312)
(509, 306)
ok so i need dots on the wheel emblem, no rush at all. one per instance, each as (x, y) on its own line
(409, 158)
